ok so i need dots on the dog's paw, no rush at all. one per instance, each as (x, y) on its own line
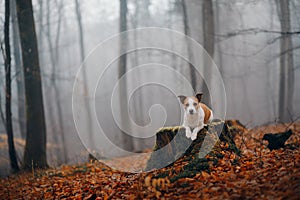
(201, 127)
(188, 132)
(196, 130)
(194, 136)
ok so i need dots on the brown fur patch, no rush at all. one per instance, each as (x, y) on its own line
(207, 112)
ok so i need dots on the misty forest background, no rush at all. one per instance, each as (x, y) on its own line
(255, 45)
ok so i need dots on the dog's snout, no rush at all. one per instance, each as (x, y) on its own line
(191, 111)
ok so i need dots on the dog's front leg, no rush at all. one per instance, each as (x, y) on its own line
(195, 131)
(188, 132)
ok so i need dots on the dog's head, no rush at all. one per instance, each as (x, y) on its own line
(191, 104)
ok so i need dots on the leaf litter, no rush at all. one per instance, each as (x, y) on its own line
(257, 174)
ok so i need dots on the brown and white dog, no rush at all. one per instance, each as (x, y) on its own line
(196, 115)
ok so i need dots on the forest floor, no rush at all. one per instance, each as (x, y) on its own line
(258, 174)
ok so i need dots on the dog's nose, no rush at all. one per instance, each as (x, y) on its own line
(191, 111)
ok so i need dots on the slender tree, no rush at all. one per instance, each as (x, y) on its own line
(18, 68)
(84, 74)
(141, 17)
(54, 58)
(56, 87)
(35, 148)
(170, 26)
(44, 30)
(1, 110)
(9, 128)
(286, 76)
(41, 23)
(187, 32)
(218, 17)
(208, 27)
(127, 141)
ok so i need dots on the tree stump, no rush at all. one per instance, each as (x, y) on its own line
(173, 147)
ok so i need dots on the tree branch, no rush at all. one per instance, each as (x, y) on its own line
(256, 31)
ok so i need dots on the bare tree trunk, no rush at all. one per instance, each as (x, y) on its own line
(84, 75)
(35, 147)
(135, 62)
(187, 32)
(286, 83)
(50, 93)
(141, 14)
(128, 143)
(54, 62)
(218, 44)
(18, 67)
(41, 22)
(1, 110)
(170, 26)
(270, 71)
(9, 128)
(209, 43)
(271, 95)
(56, 90)
(40, 36)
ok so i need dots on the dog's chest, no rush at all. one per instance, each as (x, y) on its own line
(193, 120)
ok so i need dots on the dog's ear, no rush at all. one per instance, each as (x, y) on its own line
(182, 98)
(199, 96)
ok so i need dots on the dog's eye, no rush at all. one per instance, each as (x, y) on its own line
(195, 104)
(187, 104)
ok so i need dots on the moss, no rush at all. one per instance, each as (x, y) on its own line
(162, 175)
(234, 148)
(184, 174)
(197, 164)
(219, 155)
(184, 185)
(215, 162)
(235, 161)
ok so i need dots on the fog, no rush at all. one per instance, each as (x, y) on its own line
(246, 53)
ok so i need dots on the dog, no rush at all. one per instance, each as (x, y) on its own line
(196, 115)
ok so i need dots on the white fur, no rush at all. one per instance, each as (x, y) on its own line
(193, 121)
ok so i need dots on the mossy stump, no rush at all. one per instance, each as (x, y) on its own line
(173, 147)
